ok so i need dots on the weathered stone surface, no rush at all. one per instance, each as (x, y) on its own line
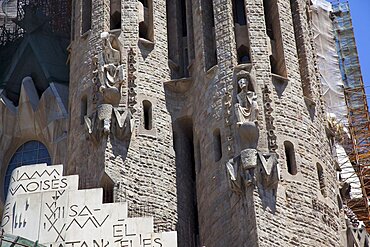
(184, 167)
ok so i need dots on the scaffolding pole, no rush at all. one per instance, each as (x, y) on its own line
(358, 112)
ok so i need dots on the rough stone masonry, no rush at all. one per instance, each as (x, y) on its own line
(203, 117)
(184, 61)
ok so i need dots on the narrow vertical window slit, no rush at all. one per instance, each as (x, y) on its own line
(241, 31)
(290, 158)
(209, 36)
(300, 46)
(273, 29)
(115, 14)
(146, 29)
(177, 33)
(147, 109)
(86, 15)
(320, 175)
(217, 144)
(83, 108)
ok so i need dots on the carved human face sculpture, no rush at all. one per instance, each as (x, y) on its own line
(243, 82)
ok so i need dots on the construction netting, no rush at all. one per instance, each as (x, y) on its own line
(333, 86)
(328, 61)
(358, 112)
(345, 99)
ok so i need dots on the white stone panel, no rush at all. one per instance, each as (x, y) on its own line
(47, 207)
(54, 216)
(22, 216)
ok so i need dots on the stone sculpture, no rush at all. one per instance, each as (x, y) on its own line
(246, 110)
(247, 107)
(250, 167)
(241, 170)
(109, 79)
(110, 69)
(334, 128)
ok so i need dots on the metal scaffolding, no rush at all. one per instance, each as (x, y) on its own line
(358, 112)
(14, 241)
(58, 13)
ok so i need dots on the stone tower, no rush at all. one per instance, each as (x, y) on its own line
(248, 118)
(120, 134)
(205, 114)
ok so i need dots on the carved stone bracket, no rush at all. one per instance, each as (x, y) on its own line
(105, 115)
(100, 122)
(241, 170)
(94, 126)
(268, 169)
(252, 168)
(125, 123)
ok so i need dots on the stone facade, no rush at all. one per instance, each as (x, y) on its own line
(291, 211)
(141, 165)
(217, 134)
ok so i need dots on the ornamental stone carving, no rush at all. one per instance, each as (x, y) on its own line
(270, 127)
(268, 169)
(109, 81)
(110, 69)
(253, 168)
(247, 107)
(246, 110)
(241, 170)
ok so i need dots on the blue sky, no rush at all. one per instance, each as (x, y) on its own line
(360, 11)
